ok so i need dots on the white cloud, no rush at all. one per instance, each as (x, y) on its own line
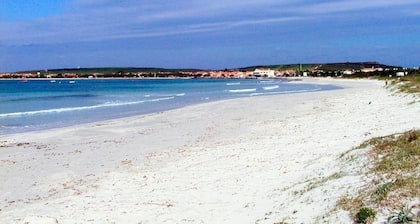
(245, 22)
(342, 6)
(188, 29)
(107, 19)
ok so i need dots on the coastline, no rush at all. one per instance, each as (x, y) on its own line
(231, 161)
(25, 112)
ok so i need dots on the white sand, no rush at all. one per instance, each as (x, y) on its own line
(253, 160)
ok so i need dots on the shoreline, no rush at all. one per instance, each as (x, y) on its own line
(146, 78)
(231, 161)
(101, 78)
(38, 127)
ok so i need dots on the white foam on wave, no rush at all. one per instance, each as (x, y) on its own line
(69, 109)
(165, 95)
(158, 99)
(266, 81)
(233, 83)
(271, 87)
(241, 90)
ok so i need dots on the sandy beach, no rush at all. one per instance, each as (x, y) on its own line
(261, 159)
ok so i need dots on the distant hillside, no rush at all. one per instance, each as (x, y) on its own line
(280, 67)
(353, 65)
(322, 66)
(108, 70)
(296, 67)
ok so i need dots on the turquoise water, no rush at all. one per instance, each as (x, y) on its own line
(43, 104)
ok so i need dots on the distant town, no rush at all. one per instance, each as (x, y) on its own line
(349, 69)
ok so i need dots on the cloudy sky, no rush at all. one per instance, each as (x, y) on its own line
(207, 34)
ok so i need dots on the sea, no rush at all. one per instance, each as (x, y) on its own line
(33, 105)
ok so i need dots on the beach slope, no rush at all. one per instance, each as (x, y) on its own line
(261, 159)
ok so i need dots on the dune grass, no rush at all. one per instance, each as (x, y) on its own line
(408, 84)
(396, 175)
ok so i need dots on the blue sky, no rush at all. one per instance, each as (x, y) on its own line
(207, 34)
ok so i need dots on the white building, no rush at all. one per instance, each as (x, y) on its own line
(264, 73)
(348, 72)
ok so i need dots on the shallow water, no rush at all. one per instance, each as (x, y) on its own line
(43, 104)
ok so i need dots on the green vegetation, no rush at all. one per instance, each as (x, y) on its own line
(410, 83)
(351, 65)
(328, 67)
(382, 190)
(320, 182)
(346, 69)
(405, 215)
(396, 176)
(365, 215)
(399, 154)
(109, 70)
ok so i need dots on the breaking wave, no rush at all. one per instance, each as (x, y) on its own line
(271, 87)
(242, 90)
(69, 109)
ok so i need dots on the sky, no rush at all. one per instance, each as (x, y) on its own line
(206, 34)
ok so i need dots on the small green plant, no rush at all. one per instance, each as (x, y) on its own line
(405, 215)
(382, 191)
(319, 182)
(365, 215)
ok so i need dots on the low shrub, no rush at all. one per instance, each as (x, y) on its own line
(405, 215)
(365, 215)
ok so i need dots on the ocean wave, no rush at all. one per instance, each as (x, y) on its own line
(49, 97)
(69, 109)
(241, 90)
(270, 87)
(233, 83)
(164, 95)
(266, 81)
